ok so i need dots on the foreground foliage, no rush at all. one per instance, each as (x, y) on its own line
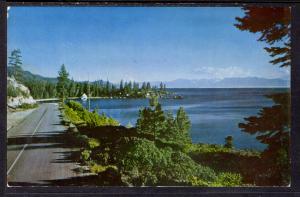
(272, 127)
(274, 26)
(157, 152)
(77, 114)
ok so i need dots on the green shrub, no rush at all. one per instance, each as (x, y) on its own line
(28, 106)
(77, 114)
(12, 91)
(224, 179)
(96, 168)
(214, 148)
(227, 179)
(82, 140)
(183, 167)
(85, 155)
(93, 143)
(75, 106)
(145, 164)
(103, 157)
(72, 115)
(195, 181)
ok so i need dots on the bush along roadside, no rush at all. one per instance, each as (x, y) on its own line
(158, 151)
(28, 106)
(78, 119)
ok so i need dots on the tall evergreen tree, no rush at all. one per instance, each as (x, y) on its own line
(16, 62)
(121, 86)
(183, 123)
(144, 86)
(148, 87)
(62, 83)
(272, 127)
(72, 88)
(135, 87)
(161, 86)
(153, 101)
(107, 88)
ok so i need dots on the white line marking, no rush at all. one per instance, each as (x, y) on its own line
(20, 153)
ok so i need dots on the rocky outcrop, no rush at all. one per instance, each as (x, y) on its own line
(17, 94)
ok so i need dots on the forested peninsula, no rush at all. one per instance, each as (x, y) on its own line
(45, 87)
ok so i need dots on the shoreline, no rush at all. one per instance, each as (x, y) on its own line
(103, 97)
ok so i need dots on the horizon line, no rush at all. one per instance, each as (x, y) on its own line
(163, 81)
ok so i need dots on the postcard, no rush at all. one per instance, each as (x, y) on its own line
(148, 96)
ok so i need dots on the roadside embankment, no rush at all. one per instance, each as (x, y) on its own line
(19, 102)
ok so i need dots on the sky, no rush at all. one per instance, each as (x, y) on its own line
(138, 43)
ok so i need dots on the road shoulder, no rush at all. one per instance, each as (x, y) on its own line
(16, 117)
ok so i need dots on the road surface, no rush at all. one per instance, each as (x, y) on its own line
(37, 152)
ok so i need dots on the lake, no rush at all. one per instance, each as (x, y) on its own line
(214, 113)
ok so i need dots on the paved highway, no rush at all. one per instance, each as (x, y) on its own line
(37, 152)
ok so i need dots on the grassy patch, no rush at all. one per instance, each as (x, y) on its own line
(227, 160)
(78, 115)
(28, 106)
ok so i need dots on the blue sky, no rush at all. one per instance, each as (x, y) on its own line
(137, 43)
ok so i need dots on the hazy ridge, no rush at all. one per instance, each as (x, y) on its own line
(236, 82)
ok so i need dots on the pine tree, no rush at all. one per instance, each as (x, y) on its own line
(171, 131)
(72, 88)
(121, 86)
(274, 25)
(144, 86)
(62, 83)
(228, 142)
(153, 101)
(161, 86)
(272, 127)
(148, 87)
(107, 88)
(16, 62)
(183, 123)
(158, 121)
(130, 87)
(135, 87)
(151, 121)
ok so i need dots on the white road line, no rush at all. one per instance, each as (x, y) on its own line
(20, 153)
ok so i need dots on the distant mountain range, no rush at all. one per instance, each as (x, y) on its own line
(237, 82)
(30, 76)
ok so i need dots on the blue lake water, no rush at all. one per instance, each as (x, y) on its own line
(214, 113)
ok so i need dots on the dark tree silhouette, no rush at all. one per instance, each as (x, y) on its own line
(272, 127)
(274, 26)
